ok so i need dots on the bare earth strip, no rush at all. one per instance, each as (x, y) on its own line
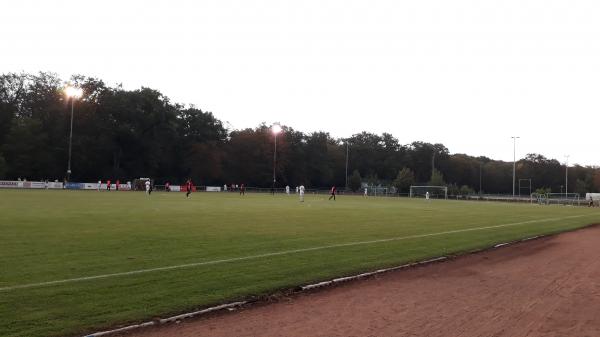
(547, 287)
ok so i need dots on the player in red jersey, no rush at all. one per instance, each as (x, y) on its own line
(188, 188)
(333, 190)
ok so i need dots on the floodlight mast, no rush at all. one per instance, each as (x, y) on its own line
(514, 162)
(276, 129)
(72, 93)
(346, 164)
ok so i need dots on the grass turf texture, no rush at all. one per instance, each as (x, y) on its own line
(56, 235)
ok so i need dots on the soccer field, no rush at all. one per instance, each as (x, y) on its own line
(73, 262)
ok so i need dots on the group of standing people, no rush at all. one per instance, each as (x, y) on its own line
(300, 190)
(109, 185)
(189, 188)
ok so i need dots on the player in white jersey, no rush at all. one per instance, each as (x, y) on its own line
(148, 187)
(301, 189)
(427, 195)
(365, 194)
(287, 189)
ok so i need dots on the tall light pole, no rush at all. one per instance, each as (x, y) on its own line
(566, 174)
(276, 129)
(514, 161)
(346, 164)
(72, 93)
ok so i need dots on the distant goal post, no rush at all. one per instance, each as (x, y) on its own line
(562, 198)
(437, 192)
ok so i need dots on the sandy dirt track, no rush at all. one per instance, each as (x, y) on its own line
(548, 287)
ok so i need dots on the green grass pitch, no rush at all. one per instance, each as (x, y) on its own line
(62, 235)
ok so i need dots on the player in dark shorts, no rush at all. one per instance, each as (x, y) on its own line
(108, 185)
(242, 190)
(333, 190)
(188, 188)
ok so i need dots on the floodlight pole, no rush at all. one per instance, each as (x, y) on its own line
(514, 163)
(70, 141)
(346, 165)
(274, 161)
(276, 128)
(566, 174)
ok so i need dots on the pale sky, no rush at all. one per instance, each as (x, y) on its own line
(468, 74)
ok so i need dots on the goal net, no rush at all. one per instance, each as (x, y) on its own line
(562, 198)
(435, 192)
(376, 191)
(539, 198)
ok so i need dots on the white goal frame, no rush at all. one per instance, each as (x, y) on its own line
(563, 198)
(429, 188)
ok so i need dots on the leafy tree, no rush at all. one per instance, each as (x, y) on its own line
(425, 156)
(319, 166)
(250, 157)
(197, 126)
(205, 163)
(453, 189)
(596, 181)
(294, 172)
(543, 190)
(581, 187)
(12, 92)
(355, 181)
(404, 179)
(123, 134)
(372, 179)
(201, 137)
(26, 152)
(2, 167)
(437, 179)
(466, 190)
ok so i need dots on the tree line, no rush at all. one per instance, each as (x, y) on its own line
(125, 134)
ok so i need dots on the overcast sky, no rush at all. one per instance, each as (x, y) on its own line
(468, 74)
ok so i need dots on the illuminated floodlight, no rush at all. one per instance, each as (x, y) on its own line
(276, 128)
(73, 92)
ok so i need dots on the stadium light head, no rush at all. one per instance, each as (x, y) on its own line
(276, 128)
(73, 92)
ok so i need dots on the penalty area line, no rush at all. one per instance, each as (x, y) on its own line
(285, 252)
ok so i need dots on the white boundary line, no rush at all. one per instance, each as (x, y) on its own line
(167, 320)
(378, 271)
(233, 305)
(286, 252)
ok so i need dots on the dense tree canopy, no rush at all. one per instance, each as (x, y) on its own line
(122, 134)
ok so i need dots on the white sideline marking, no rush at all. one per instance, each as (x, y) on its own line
(285, 252)
(167, 320)
(378, 271)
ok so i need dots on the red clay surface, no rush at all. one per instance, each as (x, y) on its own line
(548, 287)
